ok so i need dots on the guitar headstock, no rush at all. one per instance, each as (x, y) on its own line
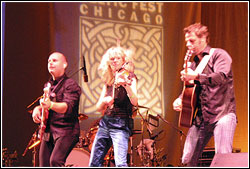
(46, 90)
(188, 55)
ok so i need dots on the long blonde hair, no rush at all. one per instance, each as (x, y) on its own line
(104, 68)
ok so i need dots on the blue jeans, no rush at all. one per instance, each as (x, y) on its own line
(198, 137)
(116, 134)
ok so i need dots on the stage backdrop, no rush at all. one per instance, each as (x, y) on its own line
(84, 31)
(101, 25)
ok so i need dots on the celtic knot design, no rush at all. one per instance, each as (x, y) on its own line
(97, 35)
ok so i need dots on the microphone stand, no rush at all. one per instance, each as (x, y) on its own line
(29, 146)
(81, 68)
(143, 122)
(177, 129)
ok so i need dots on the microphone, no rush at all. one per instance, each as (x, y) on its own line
(85, 76)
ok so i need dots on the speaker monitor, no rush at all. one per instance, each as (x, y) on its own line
(230, 160)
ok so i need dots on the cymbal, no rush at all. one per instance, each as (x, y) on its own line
(82, 116)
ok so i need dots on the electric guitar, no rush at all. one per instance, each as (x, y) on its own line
(45, 112)
(189, 98)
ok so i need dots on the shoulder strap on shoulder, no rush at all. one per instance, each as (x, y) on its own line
(204, 61)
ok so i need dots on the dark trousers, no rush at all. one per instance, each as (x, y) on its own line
(53, 153)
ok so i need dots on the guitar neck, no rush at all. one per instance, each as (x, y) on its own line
(44, 111)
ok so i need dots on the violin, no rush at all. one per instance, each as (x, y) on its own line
(124, 73)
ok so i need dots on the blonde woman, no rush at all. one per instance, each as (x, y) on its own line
(116, 102)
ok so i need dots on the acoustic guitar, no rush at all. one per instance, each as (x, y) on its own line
(189, 98)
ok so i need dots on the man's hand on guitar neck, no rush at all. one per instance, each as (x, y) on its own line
(36, 115)
(189, 75)
(45, 103)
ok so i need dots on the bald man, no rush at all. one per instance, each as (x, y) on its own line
(62, 130)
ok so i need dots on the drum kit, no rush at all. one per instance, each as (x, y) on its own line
(80, 155)
(146, 150)
(8, 158)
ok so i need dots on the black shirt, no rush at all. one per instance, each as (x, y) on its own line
(217, 96)
(122, 105)
(64, 89)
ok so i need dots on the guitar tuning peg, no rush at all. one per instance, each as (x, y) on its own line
(48, 85)
(190, 52)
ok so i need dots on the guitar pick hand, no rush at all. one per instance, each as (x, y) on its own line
(177, 105)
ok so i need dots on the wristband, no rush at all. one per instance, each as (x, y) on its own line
(131, 96)
(51, 105)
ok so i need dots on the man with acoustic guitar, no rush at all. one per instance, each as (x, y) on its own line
(214, 103)
(58, 114)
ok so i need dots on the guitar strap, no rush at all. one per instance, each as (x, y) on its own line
(57, 88)
(204, 61)
(59, 85)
